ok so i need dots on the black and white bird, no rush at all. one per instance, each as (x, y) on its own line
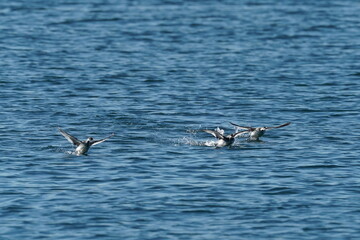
(223, 140)
(256, 132)
(82, 146)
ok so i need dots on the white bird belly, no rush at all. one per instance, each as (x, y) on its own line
(256, 134)
(81, 149)
(223, 143)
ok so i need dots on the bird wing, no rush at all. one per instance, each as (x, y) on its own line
(239, 133)
(282, 125)
(70, 138)
(214, 133)
(101, 140)
(242, 127)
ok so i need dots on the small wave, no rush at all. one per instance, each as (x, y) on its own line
(319, 166)
(281, 191)
(355, 74)
(85, 20)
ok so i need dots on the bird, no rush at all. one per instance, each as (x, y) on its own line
(82, 146)
(223, 141)
(256, 132)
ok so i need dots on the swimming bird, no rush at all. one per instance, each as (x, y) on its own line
(257, 132)
(223, 140)
(82, 146)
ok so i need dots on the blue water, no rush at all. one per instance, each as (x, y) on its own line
(157, 72)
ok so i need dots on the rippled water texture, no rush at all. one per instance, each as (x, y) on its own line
(156, 73)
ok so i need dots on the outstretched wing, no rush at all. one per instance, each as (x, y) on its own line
(282, 125)
(70, 138)
(239, 133)
(242, 127)
(101, 140)
(214, 133)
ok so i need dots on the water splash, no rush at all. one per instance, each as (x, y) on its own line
(59, 149)
(193, 142)
(210, 143)
(219, 130)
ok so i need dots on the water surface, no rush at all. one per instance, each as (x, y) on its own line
(156, 73)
